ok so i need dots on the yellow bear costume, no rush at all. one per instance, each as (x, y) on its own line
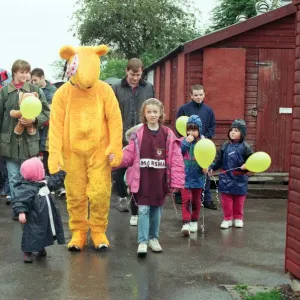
(85, 126)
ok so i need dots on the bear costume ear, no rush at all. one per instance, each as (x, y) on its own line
(66, 52)
(101, 50)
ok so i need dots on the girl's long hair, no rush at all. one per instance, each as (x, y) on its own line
(153, 101)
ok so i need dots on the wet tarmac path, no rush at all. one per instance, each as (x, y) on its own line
(188, 268)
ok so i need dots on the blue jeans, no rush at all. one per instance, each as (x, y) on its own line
(6, 189)
(14, 175)
(149, 222)
(207, 193)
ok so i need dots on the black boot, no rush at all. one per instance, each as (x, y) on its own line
(42, 253)
(210, 205)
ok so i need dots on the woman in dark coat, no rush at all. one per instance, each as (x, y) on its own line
(37, 210)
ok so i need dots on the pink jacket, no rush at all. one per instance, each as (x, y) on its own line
(174, 160)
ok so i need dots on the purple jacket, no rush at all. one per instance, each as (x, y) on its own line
(174, 160)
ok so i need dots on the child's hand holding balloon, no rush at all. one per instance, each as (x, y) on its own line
(190, 138)
(243, 167)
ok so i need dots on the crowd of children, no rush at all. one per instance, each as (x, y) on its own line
(155, 157)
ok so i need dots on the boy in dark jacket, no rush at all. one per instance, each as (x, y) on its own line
(37, 210)
(233, 184)
(197, 107)
(194, 177)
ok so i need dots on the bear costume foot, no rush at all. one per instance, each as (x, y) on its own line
(99, 240)
(78, 241)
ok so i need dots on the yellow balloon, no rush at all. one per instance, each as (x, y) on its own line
(181, 125)
(31, 107)
(205, 152)
(258, 162)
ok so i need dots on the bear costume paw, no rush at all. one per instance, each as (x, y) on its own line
(99, 240)
(78, 241)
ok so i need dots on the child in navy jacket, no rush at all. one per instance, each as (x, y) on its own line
(233, 184)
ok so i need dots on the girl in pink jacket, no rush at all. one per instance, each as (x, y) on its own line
(155, 165)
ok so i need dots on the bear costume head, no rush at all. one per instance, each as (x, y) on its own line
(83, 67)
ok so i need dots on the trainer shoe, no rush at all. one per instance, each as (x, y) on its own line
(123, 204)
(142, 250)
(226, 224)
(61, 192)
(155, 246)
(28, 257)
(8, 200)
(133, 220)
(185, 230)
(193, 226)
(238, 223)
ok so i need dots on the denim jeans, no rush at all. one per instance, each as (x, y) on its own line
(6, 189)
(207, 193)
(14, 175)
(149, 222)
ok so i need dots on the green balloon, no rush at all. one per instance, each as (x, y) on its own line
(205, 152)
(31, 107)
(181, 125)
(258, 162)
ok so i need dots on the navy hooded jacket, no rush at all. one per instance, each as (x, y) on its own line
(194, 176)
(44, 225)
(233, 155)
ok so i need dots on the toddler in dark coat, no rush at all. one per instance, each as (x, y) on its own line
(233, 179)
(37, 211)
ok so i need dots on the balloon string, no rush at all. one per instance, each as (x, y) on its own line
(225, 171)
(202, 206)
(173, 200)
(217, 190)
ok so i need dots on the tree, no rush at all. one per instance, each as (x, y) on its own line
(225, 13)
(114, 67)
(134, 28)
(58, 66)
